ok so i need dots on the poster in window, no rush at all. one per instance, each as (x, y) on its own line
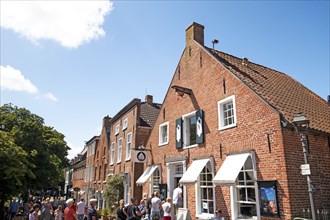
(268, 198)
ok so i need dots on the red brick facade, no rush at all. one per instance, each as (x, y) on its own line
(258, 129)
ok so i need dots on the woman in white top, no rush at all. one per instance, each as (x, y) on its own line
(167, 209)
(156, 206)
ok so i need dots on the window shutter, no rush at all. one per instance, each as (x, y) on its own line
(178, 132)
(199, 127)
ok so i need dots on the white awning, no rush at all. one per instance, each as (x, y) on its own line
(146, 175)
(191, 175)
(230, 169)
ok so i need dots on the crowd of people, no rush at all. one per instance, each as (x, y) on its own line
(148, 208)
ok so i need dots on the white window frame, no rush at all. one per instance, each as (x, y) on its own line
(129, 146)
(253, 185)
(155, 180)
(125, 124)
(198, 188)
(221, 119)
(117, 129)
(112, 153)
(120, 150)
(185, 135)
(161, 142)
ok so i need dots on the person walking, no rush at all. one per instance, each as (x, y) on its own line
(156, 206)
(70, 212)
(34, 213)
(45, 209)
(91, 211)
(58, 212)
(167, 209)
(177, 198)
(81, 208)
(13, 208)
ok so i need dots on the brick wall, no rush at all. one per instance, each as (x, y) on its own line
(256, 122)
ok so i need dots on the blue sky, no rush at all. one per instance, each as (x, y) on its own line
(73, 63)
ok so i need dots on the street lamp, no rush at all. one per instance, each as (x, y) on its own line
(301, 125)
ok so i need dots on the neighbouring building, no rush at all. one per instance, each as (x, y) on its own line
(120, 136)
(89, 180)
(224, 131)
(78, 175)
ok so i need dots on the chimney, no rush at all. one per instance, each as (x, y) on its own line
(149, 99)
(245, 61)
(106, 121)
(195, 32)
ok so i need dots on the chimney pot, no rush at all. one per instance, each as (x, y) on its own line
(245, 61)
(149, 99)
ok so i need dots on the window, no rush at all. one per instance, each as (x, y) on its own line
(112, 153)
(246, 191)
(189, 130)
(128, 146)
(163, 134)
(227, 113)
(117, 129)
(205, 204)
(155, 181)
(125, 123)
(104, 151)
(120, 146)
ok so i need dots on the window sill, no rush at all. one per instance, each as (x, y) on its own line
(204, 216)
(111, 164)
(162, 144)
(118, 162)
(227, 127)
(127, 159)
(190, 146)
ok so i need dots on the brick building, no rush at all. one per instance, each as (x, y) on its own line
(224, 131)
(120, 135)
(89, 180)
(78, 175)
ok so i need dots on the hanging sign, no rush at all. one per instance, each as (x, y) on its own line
(141, 156)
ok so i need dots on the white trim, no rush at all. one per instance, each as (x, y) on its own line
(120, 152)
(160, 135)
(128, 156)
(221, 103)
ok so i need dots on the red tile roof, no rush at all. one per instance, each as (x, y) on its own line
(279, 90)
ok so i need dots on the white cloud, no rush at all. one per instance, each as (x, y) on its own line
(13, 79)
(74, 151)
(50, 96)
(71, 23)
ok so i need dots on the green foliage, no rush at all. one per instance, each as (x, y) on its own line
(114, 190)
(32, 155)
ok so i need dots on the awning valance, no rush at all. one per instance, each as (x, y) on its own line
(146, 175)
(230, 169)
(193, 171)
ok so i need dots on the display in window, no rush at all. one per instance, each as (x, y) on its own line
(268, 198)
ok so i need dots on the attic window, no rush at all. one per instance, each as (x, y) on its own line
(245, 61)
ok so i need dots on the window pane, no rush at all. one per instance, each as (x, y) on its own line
(192, 129)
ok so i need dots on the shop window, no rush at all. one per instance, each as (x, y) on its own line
(246, 191)
(205, 190)
(155, 181)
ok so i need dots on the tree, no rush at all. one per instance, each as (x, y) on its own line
(114, 190)
(32, 155)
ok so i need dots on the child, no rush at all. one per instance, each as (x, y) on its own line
(58, 213)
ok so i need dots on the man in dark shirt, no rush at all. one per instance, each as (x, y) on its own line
(91, 211)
